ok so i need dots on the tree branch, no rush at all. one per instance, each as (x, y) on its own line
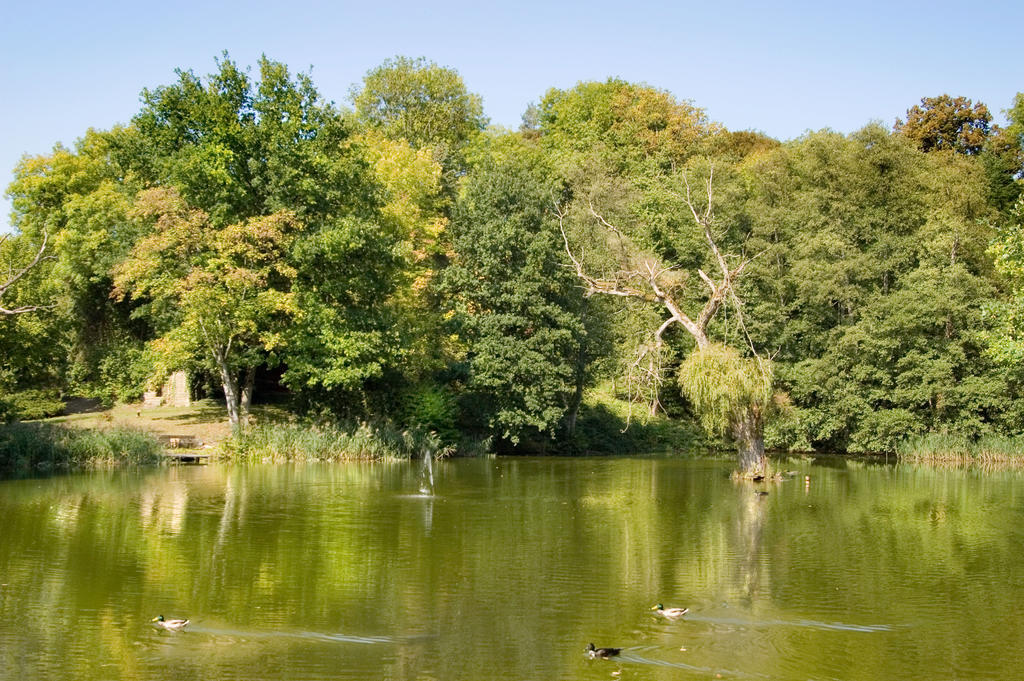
(612, 287)
(15, 277)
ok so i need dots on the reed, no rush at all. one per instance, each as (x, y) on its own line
(958, 449)
(44, 446)
(362, 441)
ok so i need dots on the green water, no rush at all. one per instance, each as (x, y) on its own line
(507, 568)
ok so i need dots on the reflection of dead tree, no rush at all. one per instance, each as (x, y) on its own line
(13, 277)
(645, 278)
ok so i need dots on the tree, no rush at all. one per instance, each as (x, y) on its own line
(346, 330)
(238, 148)
(714, 379)
(224, 292)
(628, 124)
(873, 292)
(413, 215)
(1003, 157)
(30, 359)
(947, 123)
(420, 102)
(80, 197)
(1005, 337)
(270, 154)
(516, 308)
(730, 392)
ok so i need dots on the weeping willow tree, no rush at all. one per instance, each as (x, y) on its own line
(730, 394)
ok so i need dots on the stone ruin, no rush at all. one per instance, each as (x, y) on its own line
(173, 393)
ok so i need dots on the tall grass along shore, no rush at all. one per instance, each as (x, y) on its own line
(959, 450)
(366, 441)
(46, 446)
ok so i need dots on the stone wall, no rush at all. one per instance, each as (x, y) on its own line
(173, 393)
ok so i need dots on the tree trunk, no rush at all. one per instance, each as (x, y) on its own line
(246, 401)
(231, 396)
(749, 435)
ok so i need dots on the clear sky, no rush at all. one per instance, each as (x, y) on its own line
(782, 68)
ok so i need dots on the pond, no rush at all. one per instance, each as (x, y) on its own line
(506, 568)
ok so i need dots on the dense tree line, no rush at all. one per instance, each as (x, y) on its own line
(403, 260)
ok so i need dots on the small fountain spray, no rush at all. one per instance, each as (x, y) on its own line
(427, 474)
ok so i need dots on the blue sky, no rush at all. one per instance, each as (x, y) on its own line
(781, 68)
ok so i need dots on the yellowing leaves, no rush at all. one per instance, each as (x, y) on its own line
(411, 180)
(228, 290)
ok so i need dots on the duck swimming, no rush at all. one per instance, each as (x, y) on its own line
(170, 625)
(670, 613)
(602, 653)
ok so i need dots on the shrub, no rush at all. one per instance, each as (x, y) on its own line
(36, 404)
(431, 407)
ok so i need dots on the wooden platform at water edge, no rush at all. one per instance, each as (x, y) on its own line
(183, 449)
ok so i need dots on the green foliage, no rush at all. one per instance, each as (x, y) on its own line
(420, 102)
(79, 199)
(43, 446)
(401, 261)
(237, 148)
(724, 387)
(431, 407)
(1003, 158)
(37, 403)
(607, 425)
(873, 293)
(515, 305)
(628, 124)
(125, 371)
(1006, 318)
(345, 329)
(223, 294)
(882, 431)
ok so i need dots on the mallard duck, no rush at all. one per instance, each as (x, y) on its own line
(670, 613)
(603, 653)
(171, 625)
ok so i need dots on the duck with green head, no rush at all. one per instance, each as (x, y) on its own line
(170, 625)
(669, 613)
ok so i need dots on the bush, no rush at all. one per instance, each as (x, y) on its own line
(123, 374)
(431, 407)
(883, 430)
(36, 404)
(602, 429)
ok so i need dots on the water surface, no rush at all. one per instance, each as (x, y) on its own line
(506, 568)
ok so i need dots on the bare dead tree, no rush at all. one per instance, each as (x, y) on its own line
(13, 276)
(644, 280)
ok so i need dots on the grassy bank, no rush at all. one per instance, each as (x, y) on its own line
(363, 441)
(959, 450)
(128, 433)
(47, 446)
